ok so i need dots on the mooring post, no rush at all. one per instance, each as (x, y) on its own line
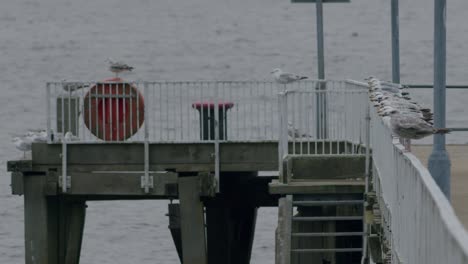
(439, 161)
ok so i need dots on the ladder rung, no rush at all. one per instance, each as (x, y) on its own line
(327, 234)
(326, 218)
(320, 250)
(315, 203)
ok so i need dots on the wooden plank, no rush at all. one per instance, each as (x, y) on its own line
(85, 183)
(192, 221)
(19, 165)
(317, 187)
(325, 166)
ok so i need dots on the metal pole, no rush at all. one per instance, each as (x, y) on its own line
(439, 161)
(320, 55)
(395, 42)
(321, 101)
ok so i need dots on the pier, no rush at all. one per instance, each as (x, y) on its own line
(346, 190)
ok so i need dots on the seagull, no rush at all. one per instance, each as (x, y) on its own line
(407, 119)
(24, 142)
(285, 78)
(118, 67)
(295, 133)
(70, 137)
(413, 127)
(73, 86)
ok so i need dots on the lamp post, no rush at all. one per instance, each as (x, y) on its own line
(439, 161)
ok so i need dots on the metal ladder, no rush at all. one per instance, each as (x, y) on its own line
(325, 228)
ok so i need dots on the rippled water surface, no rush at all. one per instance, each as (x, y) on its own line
(192, 40)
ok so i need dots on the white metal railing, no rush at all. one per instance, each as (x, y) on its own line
(330, 119)
(176, 111)
(422, 226)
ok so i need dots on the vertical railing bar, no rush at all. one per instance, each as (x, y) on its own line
(110, 112)
(301, 110)
(202, 112)
(117, 111)
(181, 112)
(167, 108)
(133, 94)
(271, 87)
(48, 111)
(293, 126)
(224, 116)
(146, 143)
(326, 106)
(314, 95)
(69, 114)
(104, 109)
(64, 146)
(259, 123)
(216, 134)
(345, 122)
(307, 130)
(96, 108)
(124, 110)
(265, 97)
(239, 99)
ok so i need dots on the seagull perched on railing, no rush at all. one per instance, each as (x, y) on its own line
(295, 133)
(24, 142)
(285, 78)
(405, 118)
(73, 86)
(118, 67)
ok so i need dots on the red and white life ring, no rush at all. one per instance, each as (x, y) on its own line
(113, 110)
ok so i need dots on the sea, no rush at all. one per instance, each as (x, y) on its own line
(53, 40)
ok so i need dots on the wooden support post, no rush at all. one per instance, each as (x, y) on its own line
(192, 221)
(75, 214)
(40, 222)
(283, 238)
(174, 227)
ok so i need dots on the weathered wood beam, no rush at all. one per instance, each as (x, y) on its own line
(192, 221)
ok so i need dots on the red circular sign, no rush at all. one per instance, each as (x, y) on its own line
(113, 110)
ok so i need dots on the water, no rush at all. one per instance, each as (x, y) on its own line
(204, 39)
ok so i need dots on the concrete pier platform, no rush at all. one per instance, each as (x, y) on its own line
(459, 178)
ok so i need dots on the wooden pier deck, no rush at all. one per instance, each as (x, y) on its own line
(459, 187)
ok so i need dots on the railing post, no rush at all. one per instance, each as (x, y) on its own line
(439, 161)
(216, 134)
(283, 132)
(147, 183)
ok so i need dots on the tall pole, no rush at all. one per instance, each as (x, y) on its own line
(395, 42)
(320, 57)
(321, 101)
(439, 161)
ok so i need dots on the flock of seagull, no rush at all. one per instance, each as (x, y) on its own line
(405, 117)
